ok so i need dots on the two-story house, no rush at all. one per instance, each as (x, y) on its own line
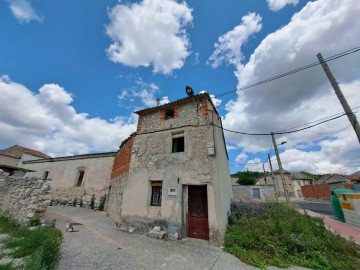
(175, 167)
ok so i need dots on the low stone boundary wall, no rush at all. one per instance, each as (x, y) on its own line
(79, 196)
(24, 198)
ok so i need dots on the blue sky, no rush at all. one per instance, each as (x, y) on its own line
(72, 73)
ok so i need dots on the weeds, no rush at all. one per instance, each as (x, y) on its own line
(40, 247)
(277, 234)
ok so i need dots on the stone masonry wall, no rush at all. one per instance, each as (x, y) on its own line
(76, 196)
(115, 194)
(24, 198)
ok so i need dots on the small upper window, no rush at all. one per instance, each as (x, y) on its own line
(170, 114)
(178, 144)
(46, 174)
(80, 178)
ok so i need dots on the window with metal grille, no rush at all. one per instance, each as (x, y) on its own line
(156, 193)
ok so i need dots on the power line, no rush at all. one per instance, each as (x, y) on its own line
(331, 58)
(283, 132)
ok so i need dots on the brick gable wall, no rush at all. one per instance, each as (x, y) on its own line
(122, 159)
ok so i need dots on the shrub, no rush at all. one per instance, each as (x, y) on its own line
(277, 234)
(81, 204)
(74, 203)
(102, 202)
(92, 202)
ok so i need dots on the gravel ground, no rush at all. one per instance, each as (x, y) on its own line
(97, 244)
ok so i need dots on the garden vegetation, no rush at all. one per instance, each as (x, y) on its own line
(264, 234)
(39, 248)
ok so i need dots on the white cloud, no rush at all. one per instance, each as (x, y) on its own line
(152, 32)
(23, 11)
(215, 101)
(276, 5)
(228, 47)
(329, 27)
(46, 121)
(143, 92)
(241, 158)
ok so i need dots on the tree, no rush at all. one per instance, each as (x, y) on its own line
(247, 178)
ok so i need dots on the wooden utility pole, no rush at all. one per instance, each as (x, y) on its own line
(334, 84)
(272, 175)
(287, 196)
(264, 174)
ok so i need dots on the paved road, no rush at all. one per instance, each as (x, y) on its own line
(98, 245)
(321, 208)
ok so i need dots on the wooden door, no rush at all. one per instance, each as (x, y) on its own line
(198, 224)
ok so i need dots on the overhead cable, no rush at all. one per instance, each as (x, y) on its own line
(331, 58)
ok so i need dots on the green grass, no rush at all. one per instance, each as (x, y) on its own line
(41, 247)
(277, 234)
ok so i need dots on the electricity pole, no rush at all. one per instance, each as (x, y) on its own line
(287, 197)
(345, 105)
(272, 175)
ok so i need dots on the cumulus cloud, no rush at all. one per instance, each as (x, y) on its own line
(228, 48)
(23, 11)
(215, 101)
(328, 27)
(276, 5)
(48, 122)
(150, 33)
(143, 92)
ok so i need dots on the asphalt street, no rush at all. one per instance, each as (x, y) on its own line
(321, 208)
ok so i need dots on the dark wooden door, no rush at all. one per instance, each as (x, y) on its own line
(198, 224)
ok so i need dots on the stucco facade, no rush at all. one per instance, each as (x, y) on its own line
(64, 173)
(202, 162)
(268, 180)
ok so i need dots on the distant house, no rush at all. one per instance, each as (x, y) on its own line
(300, 180)
(267, 180)
(12, 159)
(294, 182)
(335, 181)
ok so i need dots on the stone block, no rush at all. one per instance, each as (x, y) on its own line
(156, 235)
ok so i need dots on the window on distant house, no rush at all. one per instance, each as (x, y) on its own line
(46, 174)
(156, 192)
(170, 114)
(80, 178)
(299, 183)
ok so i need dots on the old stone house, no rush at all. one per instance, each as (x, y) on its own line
(175, 167)
(294, 182)
(12, 159)
(79, 176)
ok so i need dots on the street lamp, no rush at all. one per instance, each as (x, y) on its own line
(287, 197)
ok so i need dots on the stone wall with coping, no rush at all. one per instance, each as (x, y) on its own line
(24, 198)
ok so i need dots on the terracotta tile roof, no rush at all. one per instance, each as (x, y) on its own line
(300, 176)
(333, 178)
(17, 150)
(176, 102)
